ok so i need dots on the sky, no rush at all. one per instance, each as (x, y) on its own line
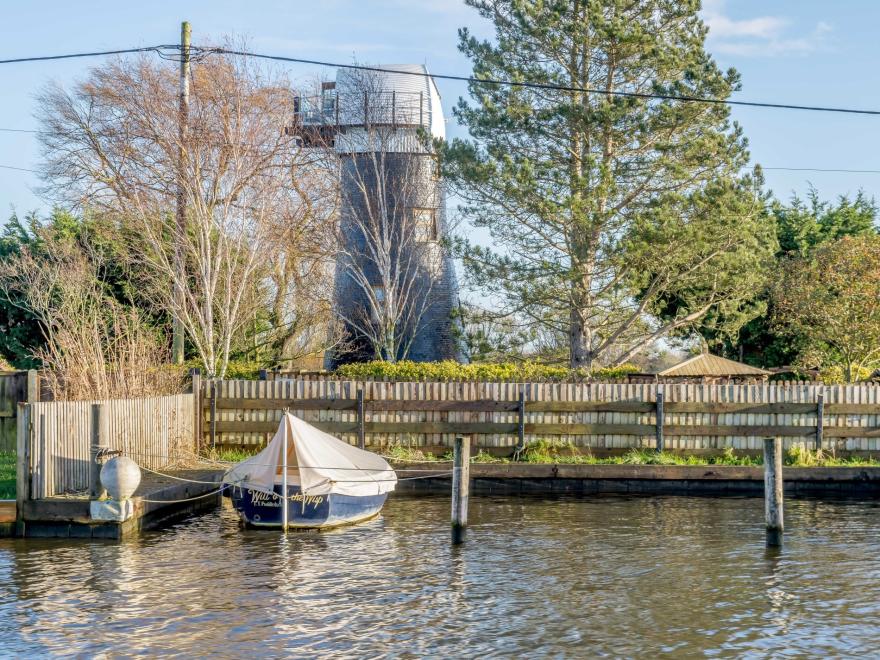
(810, 52)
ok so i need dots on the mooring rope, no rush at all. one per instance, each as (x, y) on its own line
(188, 499)
(171, 476)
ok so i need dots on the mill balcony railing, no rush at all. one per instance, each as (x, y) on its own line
(347, 109)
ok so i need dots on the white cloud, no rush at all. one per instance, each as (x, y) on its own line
(760, 36)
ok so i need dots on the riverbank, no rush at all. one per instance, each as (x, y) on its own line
(549, 452)
(584, 479)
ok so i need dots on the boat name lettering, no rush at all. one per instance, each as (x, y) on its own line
(312, 500)
(259, 498)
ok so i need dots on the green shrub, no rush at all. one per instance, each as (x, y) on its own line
(236, 370)
(448, 370)
(8, 467)
(835, 375)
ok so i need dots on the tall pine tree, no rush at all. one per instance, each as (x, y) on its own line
(615, 219)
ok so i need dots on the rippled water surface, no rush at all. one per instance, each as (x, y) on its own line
(565, 577)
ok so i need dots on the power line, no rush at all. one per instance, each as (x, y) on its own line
(821, 169)
(201, 51)
(20, 169)
(19, 130)
(44, 58)
(783, 169)
(533, 85)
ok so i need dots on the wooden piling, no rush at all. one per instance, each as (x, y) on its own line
(23, 465)
(773, 493)
(96, 449)
(461, 464)
(658, 432)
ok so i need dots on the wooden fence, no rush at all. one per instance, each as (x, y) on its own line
(15, 387)
(55, 439)
(596, 415)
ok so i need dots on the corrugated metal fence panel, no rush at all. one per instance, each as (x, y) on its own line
(156, 432)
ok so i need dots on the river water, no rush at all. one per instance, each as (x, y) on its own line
(604, 576)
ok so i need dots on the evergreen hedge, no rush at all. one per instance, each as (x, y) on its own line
(448, 370)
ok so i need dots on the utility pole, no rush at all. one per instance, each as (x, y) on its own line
(182, 120)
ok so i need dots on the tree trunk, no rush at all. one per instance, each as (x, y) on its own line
(580, 352)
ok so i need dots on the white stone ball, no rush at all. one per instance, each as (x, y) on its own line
(121, 477)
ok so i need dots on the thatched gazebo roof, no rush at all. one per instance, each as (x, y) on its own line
(707, 365)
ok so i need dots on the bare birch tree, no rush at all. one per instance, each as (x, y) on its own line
(113, 142)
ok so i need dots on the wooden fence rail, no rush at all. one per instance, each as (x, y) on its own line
(55, 439)
(506, 415)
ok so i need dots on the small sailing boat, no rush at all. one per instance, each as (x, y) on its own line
(306, 478)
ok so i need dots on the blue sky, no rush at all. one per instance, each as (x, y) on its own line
(795, 51)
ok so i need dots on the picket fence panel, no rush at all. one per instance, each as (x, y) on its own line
(596, 415)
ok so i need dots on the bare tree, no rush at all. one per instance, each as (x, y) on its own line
(96, 347)
(301, 320)
(113, 142)
(389, 249)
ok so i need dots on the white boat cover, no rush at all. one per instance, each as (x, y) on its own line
(324, 464)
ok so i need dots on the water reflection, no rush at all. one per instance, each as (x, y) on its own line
(615, 576)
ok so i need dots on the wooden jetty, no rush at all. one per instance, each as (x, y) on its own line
(158, 500)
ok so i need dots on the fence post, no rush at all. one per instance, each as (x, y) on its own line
(461, 472)
(25, 431)
(33, 386)
(198, 413)
(97, 447)
(521, 422)
(820, 420)
(773, 492)
(362, 440)
(659, 415)
(213, 414)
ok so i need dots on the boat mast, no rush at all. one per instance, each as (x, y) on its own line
(284, 476)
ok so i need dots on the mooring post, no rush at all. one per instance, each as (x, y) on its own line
(24, 441)
(659, 419)
(820, 420)
(96, 450)
(362, 436)
(461, 472)
(773, 493)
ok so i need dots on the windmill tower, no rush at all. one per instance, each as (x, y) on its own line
(392, 268)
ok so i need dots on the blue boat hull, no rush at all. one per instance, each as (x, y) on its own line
(261, 509)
